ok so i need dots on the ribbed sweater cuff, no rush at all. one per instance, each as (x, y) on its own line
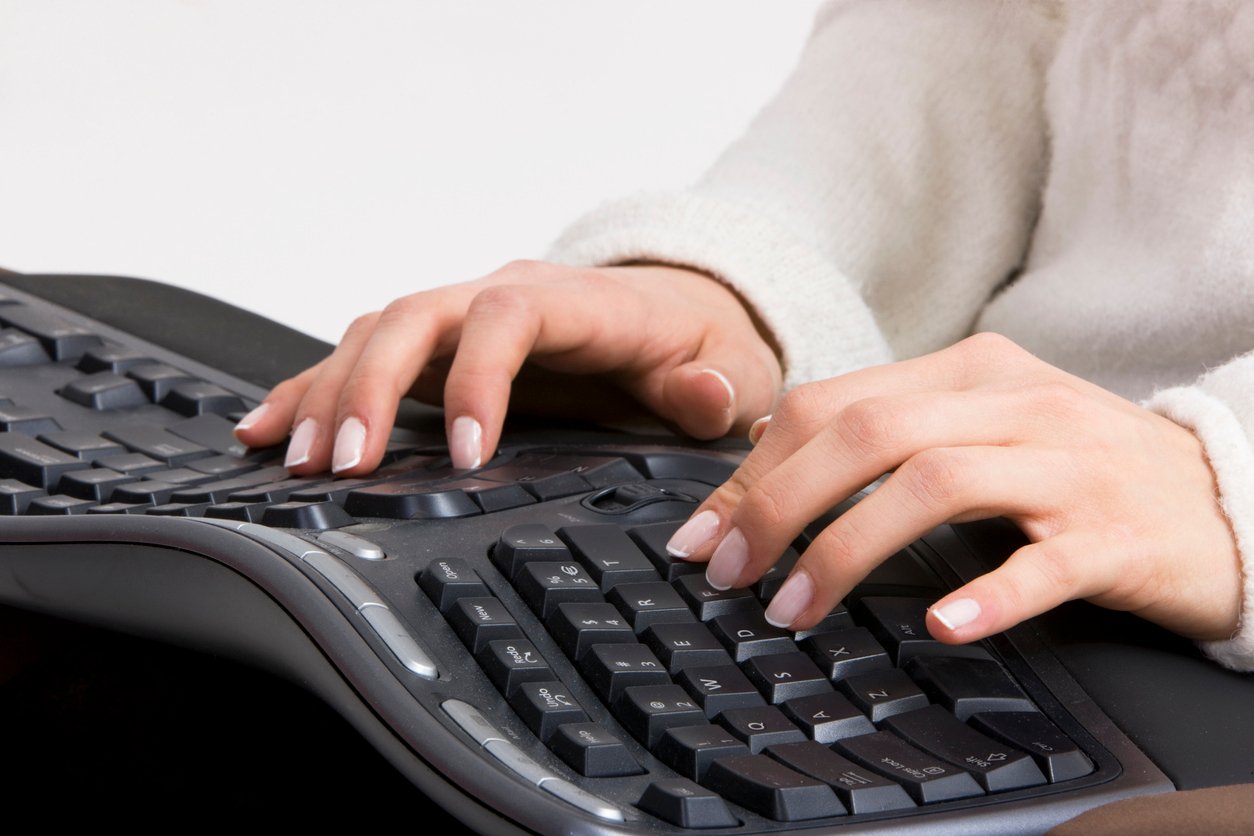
(1232, 461)
(822, 325)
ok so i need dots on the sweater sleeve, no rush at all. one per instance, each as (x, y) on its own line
(875, 204)
(1219, 409)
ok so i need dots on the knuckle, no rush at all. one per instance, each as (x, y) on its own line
(990, 351)
(765, 508)
(937, 477)
(833, 554)
(872, 425)
(499, 302)
(801, 406)
(361, 325)
(1054, 569)
(521, 269)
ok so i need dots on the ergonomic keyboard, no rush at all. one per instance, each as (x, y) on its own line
(515, 639)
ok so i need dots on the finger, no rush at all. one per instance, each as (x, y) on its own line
(864, 441)
(724, 387)
(271, 421)
(362, 398)
(560, 327)
(1036, 578)
(313, 420)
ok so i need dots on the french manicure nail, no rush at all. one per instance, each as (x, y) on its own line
(729, 560)
(465, 442)
(722, 378)
(957, 613)
(693, 534)
(349, 444)
(251, 418)
(301, 445)
(793, 598)
(759, 426)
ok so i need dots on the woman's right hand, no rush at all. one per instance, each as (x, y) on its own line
(673, 341)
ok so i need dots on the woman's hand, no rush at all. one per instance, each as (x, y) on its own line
(670, 341)
(1120, 503)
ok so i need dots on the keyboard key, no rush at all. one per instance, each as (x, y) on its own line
(199, 398)
(318, 516)
(646, 604)
(477, 621)
(96, 483)
(968, 686)
(62, 339)
(881, 694)
(157, 379)
(652, 540)
(747, 634)
(103, 391)
(685, 645)
(771, 789)
(143, 492)
(132, 464)
(861, 790)
(213, 491)
(15, 418)
(786, 676)
(836, 620)
(546, 585)
(545, 705)
(83, 445)
(900, 625)
(446, 580)
(610, 556)
(578, 627)
(774, 577)
(611, 668)
(828, 717)
(927, 778)
(111, 357)
(217, 434)
(33, 462)
(708, 602)
(647, 711)
(690, 750)
(521, 544)
(720, 688)
(995, 765)
(592, 751)
(409, 501)
(1055, 753)
(511, 662)
(17, 348)
(16, 496)
(685, 804)
(846, 652)
(58, 505)
(153, 441)
(761, 727)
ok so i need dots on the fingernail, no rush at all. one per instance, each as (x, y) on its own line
(957, 613)
(349, 443)
(759, 427)
(301, 445)
(465, 442)
(251, 418)
(693, 534)
(792, 600)
(722, 378)
(729, 560)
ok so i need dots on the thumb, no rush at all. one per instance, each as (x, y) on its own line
(718, 392)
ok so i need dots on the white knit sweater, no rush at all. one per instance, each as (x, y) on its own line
(1078, 177)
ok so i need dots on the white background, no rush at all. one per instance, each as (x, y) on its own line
(313, 159)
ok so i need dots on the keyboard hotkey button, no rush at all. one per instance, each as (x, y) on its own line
(686, 804)
(357, 591)
(546, 704)
(996, 766)
(511, 662)
(860, 789)
(517, 761)
(445, 580)
(592, 751)
(477, 621)
(399, 640)
(771, 789)
(1057, 756)
(471, 721)
(582, 799)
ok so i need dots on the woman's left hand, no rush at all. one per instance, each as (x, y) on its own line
(1119, 503)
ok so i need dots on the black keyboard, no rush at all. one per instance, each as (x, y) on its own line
(515, 639)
